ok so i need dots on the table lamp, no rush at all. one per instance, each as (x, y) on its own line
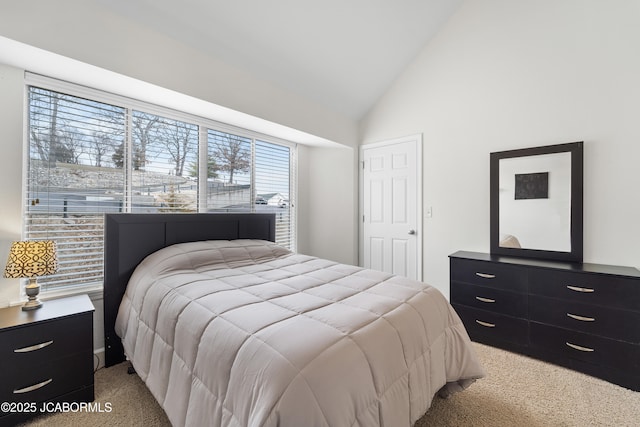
(31, 259)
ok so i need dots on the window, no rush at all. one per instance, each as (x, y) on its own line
(88, 157)
(239, 180)
(228, 172)
(72, 179)
(163, 154)
(273, 187)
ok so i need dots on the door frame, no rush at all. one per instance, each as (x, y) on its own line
(420, 220)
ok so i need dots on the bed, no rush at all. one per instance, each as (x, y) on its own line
(227, 328)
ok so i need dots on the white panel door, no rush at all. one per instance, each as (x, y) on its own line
(391, 207)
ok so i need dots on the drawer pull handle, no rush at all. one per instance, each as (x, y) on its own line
(578, 289)
(33, 387)
(33, 347)
(487, 324)
(579, 347)
(486, 276)
(485, 299)
(581, 318)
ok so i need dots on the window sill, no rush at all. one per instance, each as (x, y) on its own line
(95, 292)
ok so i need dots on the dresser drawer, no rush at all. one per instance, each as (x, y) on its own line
(490, 299)
(48, 379)
(22, 346)
(489, 274)
(584, 347)
(597, 320)
(588, 288)
(481, 323)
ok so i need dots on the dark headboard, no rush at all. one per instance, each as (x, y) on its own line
(129, 238)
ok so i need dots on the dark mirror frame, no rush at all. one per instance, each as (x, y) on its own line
(575, 255)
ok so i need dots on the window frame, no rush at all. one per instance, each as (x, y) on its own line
(131, 104)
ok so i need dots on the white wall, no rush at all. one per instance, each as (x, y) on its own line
(506, 74)
(11, 131)
(327, 203)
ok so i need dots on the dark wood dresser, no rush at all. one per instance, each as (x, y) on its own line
(582, 316)
(46, 356)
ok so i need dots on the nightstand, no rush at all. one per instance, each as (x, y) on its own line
(46, 356)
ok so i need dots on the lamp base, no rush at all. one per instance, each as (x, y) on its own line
(32, 304)
(32, 290)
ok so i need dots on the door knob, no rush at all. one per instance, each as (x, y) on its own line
(412, 232)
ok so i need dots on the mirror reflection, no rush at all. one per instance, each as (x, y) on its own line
(535, 202)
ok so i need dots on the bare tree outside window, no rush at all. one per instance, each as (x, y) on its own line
(143, 127)
(101, 143)
(232, 154)
(180, 141)
(52, 154)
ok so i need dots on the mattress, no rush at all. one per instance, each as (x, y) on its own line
(246, 333)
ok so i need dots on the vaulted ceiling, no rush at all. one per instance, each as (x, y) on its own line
(342, 54)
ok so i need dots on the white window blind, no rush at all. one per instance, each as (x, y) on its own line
(72, 180)
(88, 157)
(233, 185)
(163, 154)
(228, 172)
(273, 187)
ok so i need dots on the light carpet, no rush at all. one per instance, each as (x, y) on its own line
(518, 391)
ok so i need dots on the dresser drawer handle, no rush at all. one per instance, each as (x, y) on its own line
(486, 276)
(581, 318)
(579, 347)
(578, 289)
(487, 324)
(32, 347)
(33, 387)
(485, 299)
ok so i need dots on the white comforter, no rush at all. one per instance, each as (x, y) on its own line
(245, 333)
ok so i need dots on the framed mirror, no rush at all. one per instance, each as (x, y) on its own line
(536, 202)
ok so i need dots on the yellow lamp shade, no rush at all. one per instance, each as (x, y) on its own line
(31, 258)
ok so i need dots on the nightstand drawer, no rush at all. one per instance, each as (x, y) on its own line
(489, 274)
(597, 320)
(46, 380)
(54, 339)
(586, 348)
(495, 300)
(587, 288)
(481, 323)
